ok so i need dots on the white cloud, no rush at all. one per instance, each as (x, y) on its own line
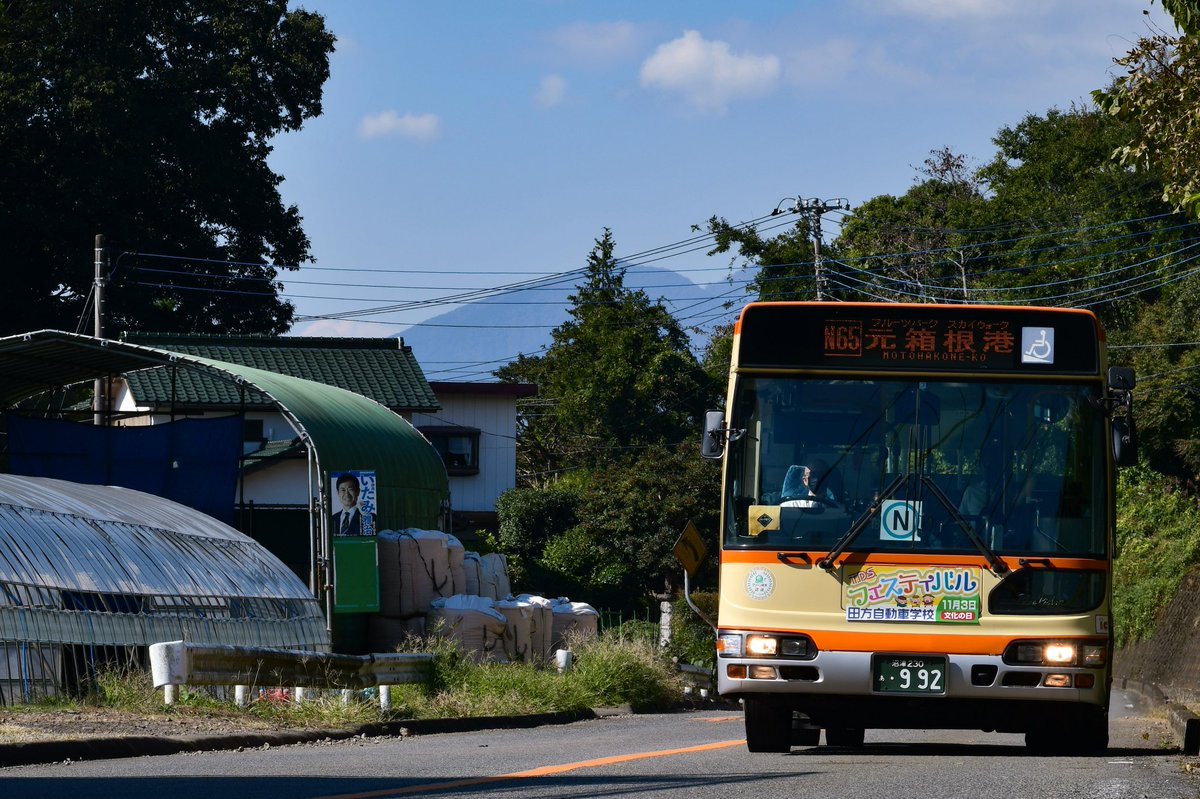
(597, 42)
(708, 74)
(551, 91)
(410, 126)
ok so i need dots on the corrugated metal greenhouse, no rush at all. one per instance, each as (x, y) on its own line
(92, 575)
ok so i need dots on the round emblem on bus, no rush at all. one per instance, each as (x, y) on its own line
(760, 584)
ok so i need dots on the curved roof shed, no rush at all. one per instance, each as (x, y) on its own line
(109, 567)
(346, 431)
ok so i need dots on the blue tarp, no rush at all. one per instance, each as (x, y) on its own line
(192, 461)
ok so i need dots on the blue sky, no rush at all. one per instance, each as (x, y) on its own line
(474, 144)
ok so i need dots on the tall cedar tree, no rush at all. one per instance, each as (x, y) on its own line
(149, 122)
(617, 377)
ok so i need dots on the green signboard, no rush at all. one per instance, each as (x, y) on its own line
(355, 574)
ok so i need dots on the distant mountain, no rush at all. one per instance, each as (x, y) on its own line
(470, 342)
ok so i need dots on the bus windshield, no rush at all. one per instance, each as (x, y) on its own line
(912, 465)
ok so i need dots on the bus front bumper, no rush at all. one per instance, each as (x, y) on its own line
(861, 674)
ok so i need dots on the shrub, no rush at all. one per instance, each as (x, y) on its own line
(692, 640)
(611, 670)
(1158, 541)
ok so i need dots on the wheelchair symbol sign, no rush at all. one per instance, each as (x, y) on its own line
(1037, 345)
(900, 520)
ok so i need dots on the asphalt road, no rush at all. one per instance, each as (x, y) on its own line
(677, 755)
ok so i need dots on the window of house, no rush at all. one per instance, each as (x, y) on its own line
(458, 446)
(253, 437)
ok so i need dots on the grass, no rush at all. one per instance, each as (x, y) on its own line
(623, 665)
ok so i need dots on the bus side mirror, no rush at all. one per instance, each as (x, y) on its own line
(1124, 441)
(1121, 378)
(712, 443)
(1121, 381)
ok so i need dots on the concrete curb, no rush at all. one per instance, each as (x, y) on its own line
(1184, 723)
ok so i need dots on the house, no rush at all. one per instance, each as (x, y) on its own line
(475, 433)
(471, 425)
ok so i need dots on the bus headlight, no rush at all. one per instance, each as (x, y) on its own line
(729, 646)
(1093, 655)
(762, 645)
(1041, 653)
(1061, 654)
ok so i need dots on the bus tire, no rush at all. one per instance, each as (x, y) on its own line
(845, 736)
(1085, 734)
(804, 734)
(1092, 732)
(768, 726)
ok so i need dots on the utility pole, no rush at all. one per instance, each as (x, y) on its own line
(100, 400)
(815, 208)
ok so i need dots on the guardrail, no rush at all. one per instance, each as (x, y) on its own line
(696, 679)
(177, 663)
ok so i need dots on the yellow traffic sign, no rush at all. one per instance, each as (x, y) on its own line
(690, 549)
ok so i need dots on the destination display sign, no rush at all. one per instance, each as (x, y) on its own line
(919, 338)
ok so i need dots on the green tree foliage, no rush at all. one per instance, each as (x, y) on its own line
(617, 377)
(1158, 541)
(1069, 225)
(529, 518)
(1167, 400)
(150, 122)
(630, 515)
(783, 265)
(920, 242)
(609, 463)
(1158, 95)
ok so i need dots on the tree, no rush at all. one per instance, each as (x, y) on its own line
(1069, 225)
(629, 516)
(150, 122)
(1159, 95)
(783, 265)
(917, 247)
(618, 376)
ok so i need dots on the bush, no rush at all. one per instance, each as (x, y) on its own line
(612, 670)
(692, 640)
(1158, 542)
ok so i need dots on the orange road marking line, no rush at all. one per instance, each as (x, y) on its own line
(542, 771)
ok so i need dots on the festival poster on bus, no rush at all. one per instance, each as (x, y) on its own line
(938, 595)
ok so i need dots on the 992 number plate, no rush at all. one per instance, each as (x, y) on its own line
(909, 674)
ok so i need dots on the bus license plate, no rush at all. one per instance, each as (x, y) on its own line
(910, 674)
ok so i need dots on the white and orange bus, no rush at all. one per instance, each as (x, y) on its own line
(917, 522)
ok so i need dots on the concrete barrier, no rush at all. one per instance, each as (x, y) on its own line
(1184, 723)
(177, 663)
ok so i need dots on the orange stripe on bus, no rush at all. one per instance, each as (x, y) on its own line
(797, 558)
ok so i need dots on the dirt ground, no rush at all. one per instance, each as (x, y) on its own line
(23, 726)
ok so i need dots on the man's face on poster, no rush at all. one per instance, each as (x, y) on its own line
(347, 491)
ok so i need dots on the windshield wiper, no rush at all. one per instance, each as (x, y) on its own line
(997, 565)
(827, 562)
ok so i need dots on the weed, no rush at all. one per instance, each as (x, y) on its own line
(622, 665)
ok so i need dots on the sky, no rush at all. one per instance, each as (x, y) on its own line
(472, 145)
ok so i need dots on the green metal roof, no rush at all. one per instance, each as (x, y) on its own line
(383, 369)
(347, 431)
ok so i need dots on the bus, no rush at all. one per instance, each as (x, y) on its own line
(917, 521)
